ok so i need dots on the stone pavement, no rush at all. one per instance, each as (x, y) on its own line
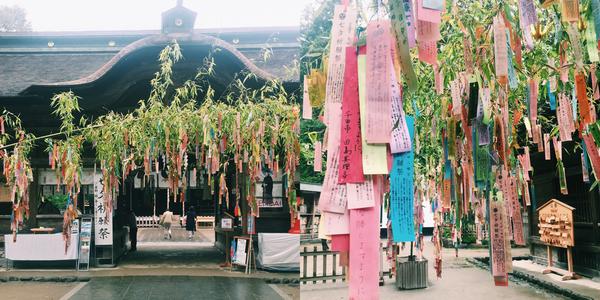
(175, 287)
(34, 291)
(460, 280)
(175, 269)
(149, 288)
(178, 234)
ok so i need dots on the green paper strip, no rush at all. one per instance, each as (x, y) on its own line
(562, 177)
(398, 17)
(591, 43)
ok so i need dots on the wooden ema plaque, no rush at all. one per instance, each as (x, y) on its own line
(555, 221)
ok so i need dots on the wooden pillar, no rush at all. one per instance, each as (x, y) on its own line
(569, 260)
(34, 199)
(244, 206)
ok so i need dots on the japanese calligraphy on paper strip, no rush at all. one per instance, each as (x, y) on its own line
(402, 194)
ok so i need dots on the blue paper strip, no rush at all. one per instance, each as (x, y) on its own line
(596, 14)
(401, 192)
(551, 97)
(512, 76)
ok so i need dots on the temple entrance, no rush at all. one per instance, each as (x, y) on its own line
(180, 244)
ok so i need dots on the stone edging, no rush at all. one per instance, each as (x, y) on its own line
(516, 275)
(13, 278)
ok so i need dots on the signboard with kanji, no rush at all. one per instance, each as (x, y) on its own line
(556, 224)
(102, 219)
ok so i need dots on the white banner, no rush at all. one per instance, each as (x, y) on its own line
(102, 220)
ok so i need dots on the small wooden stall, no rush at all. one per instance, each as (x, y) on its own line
(556, 230)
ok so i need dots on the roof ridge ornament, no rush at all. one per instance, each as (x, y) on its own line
(178, 19)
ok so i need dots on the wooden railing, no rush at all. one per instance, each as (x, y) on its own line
(315, 274)
(147, 221)
(321, 271)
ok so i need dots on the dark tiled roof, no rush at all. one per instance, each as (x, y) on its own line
(19, 71)
(25, 60)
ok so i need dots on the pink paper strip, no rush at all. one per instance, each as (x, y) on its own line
(533, 100)
(360, 195)
(342, 36)
(497, 228)
(428, 15)
(364, 254)
(400, 141)
(427, 31)
(592, 151)
(428, 52)
(318, 157)
(306, 107)
(351, 170)
(333, 195)
(378, 125)
(340, 242)
(547, 154)
(500, 49)
(336, 223)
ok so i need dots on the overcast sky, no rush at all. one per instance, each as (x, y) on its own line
(75, 15)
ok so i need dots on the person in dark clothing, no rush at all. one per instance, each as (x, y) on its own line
(190, 222)
(324, 245)
(268, 190)
(133, 230)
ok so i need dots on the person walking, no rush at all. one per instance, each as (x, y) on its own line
(166, 220)
(133, 230)
(190, 222)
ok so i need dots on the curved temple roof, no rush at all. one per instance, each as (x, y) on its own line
(76, 58)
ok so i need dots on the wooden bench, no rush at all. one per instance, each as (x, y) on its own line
(205, 220)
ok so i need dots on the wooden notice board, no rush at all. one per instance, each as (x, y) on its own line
(555, 221)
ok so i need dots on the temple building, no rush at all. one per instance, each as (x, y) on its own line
(111, 71)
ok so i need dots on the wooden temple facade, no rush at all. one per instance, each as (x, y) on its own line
(111, 71)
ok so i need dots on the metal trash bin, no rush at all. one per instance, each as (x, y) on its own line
(411, 273)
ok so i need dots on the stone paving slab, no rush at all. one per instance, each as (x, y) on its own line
(34, 290)
(178, 234)
(175, 287)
